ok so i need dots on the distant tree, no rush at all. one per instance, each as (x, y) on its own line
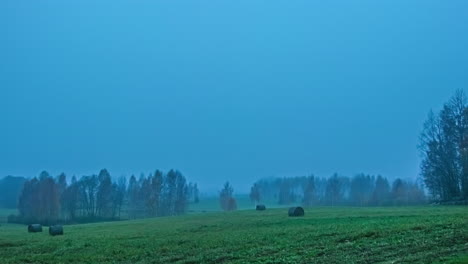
(133, 190)
(88, 192)
(255, 193)
(400, 192)
(70, 198)
(97, 196)
(61, 186)
(226, 199)
(196, 194)
(381, 193)
(61, 182)
(309, 192)
(232, 204)
(104, 194)
(157, 190)
(283, 190)
(407, 193)
(193, 192)
(416, 194)
(146, 196)
(361, 188)
(335, 190)
(49, 199)
(459, 113)
(464, 159)
(119, 190)
(113, 207)
(169, 192)
(28, 201)
(286, 194)
(39, 200)
(181, 200)
(320, 185)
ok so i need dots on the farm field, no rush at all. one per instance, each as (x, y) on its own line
(211, 204)
(324, 235)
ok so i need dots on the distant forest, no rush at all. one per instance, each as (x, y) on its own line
(360, 190)
(443, 179)
(444, 172)
(49, 200)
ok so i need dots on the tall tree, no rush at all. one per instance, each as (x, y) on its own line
(146, 196)
(226, 198)
(443, 144)
(255, 193)
(361, 188)
(400, 192)
(133, 190)
(98, 196)
(309, 192)
(70, 199)
(286, 194)
(335, 189)
(157, 188)
(381, 193)
(120, 191)
(196, 194)
(28, 201)
(104, 194)
(49, 198)
(39, 200)
(170, 192)
(181, 199)
(88, 192)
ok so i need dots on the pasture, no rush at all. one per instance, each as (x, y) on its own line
(323, 235)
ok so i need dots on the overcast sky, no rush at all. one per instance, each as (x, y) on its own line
(224, 90)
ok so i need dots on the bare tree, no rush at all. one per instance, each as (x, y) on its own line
(226, 199)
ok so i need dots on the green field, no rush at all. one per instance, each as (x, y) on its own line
(324, 235)
(211, 204)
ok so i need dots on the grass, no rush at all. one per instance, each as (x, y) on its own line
(324, 235)
(211, 204)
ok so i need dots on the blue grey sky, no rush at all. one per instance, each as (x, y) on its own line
(224, 90)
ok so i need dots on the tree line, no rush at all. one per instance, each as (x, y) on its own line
(226, 198)
(49, 200)
(360, 190)
(444, 150)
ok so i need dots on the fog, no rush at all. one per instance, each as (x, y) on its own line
(224, 90)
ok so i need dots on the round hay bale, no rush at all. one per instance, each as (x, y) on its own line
(34, 228)
(260, 207)
(296, 211)
(56, 230)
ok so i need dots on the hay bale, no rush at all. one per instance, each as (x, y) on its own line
(260, 207)
(296, 211)
(56, 230)
(34, 228)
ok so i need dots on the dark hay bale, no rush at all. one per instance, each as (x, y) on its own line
(296, 211)
(260, 207)
(34, 228)
(55, 230)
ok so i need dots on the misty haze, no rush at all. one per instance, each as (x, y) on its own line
(234, 131)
